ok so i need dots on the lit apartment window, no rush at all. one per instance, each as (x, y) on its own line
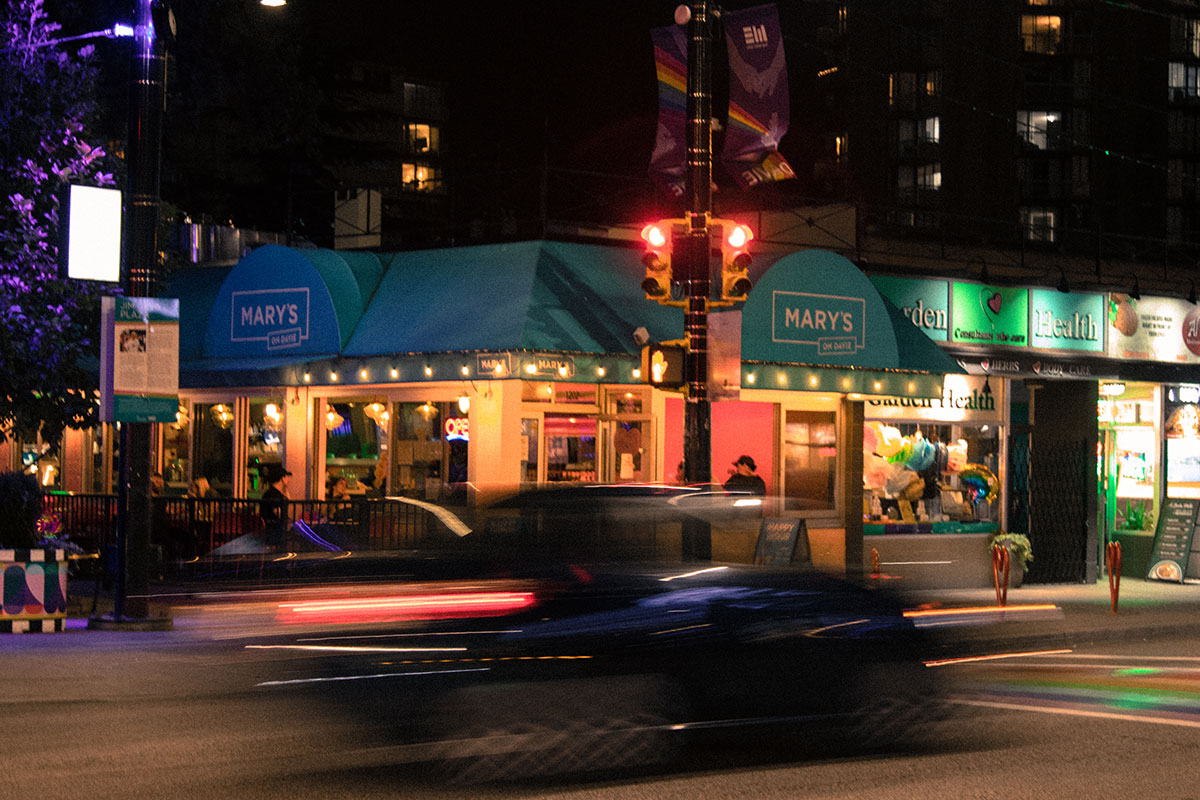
(423, 138)
(1037, 2)
(1185, 36)
(1039, 128)
(1038, 224)
(841, 19)
(929, 176)
(932, 83)
(1041, 34)
(931, 129)
(1183, 81)
(420, 178)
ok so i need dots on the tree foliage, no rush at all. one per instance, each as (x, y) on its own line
(49, 327)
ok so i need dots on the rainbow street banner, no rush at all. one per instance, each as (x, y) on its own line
(759, 104)
(670, 62)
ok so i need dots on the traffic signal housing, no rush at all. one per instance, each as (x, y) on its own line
(662, 364)
(657, 259)
(735, 260)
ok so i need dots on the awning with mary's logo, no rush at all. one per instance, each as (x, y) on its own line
(815, 322)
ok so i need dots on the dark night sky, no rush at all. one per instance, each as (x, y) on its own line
(568, 81)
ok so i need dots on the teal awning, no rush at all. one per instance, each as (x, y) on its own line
(540, 296)
(280, 301)
(817, 309)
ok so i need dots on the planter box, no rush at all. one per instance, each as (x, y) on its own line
(33, 592)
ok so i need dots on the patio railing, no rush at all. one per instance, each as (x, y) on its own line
(184, 528)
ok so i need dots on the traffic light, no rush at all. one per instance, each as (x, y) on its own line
(735, 260)
(662, 364)
(657, 258)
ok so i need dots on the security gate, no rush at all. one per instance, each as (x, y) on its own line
(1048, 501)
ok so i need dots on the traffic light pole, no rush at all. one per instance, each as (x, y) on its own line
(697, 537)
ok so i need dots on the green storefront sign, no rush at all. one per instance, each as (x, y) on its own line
(923, 302)
(1066, 320)
(982, 314)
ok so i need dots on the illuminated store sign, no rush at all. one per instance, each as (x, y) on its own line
(1066, 320)
(1153, 328)
(925, 303)
(981, 314)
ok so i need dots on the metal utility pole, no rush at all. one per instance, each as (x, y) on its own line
(144, 157)
(697, 537)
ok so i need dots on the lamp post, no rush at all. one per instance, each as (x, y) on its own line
(144, 157)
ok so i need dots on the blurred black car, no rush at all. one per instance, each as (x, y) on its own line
(537, 651)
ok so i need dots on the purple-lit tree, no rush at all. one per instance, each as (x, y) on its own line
(49, 327)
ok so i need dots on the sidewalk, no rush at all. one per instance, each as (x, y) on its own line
(1145, 609)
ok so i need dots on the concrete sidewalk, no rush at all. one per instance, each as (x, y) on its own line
(1145, 609)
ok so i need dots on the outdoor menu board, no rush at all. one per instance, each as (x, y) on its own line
(782, 540)
(1173, 540)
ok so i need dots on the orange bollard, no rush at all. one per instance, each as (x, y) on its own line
(874, 562)
(1113, 560)
(1001, 564)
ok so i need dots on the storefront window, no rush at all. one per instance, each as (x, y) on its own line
(1129, 428)
(419, 450)
(213, 452)
(176, 446)
(105, 448)
(529, 451)
(935, 460)
(570, 448)
(1182, 434)
(264, 441)
(39, 461)
(629, 438)
(809, 460)
(356, 431)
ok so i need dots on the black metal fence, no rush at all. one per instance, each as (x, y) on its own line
(184, 528)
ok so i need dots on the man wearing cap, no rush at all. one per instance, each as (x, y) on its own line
(272, 506)
(745, 480)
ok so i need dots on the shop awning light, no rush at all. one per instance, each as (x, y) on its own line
(332, 376)
(636, 374)
(428, 371)
(307, 377)
(364, 374)
(395, 372)
(465, 370)
(750, 378)
(599, 372)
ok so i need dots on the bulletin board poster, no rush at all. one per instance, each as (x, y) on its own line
(139, 359)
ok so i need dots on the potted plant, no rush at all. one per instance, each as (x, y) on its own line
(32, 560)
(1020, 553)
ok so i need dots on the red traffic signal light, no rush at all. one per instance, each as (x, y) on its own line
(657, 259)
(735, 260)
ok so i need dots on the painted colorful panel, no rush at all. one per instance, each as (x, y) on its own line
(33, 584)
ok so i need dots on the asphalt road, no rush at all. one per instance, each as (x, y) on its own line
(178, 714)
